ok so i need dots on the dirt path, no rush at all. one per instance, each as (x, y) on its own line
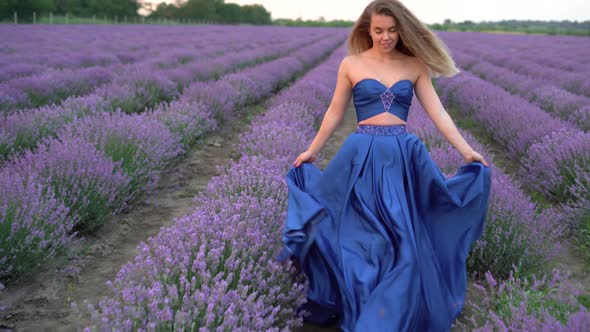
(347, 126)
(42, 302)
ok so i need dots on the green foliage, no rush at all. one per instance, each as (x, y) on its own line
(87, 8)
(84, 201)
(24, 8)
(26, 257)
(582, 240)
(517, 296)
(213, 11)
(312, 23)
(131, 158)
(565, 27)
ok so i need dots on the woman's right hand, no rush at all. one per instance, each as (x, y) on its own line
(305, 157)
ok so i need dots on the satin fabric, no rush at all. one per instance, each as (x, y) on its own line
(382, 236)
(368, 102)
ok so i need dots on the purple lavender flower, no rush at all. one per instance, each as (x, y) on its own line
(187, 120)
(53, 86)
(561, 159)
(494, 109)
(214, 268)
(142, 144)
(539, 303)
(91, 185)
(35, 225)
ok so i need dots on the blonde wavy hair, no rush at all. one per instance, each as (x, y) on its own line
(415, 39)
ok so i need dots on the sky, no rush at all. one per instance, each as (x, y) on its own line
(430, 11)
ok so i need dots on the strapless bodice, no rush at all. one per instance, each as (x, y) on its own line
(371, 97)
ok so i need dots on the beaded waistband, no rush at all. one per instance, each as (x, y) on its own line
(381, 130)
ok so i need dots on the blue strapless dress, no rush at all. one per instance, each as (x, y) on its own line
(381, 234)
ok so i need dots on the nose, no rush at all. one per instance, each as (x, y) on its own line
(386, 36)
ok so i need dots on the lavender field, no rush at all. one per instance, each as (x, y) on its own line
(95, 117)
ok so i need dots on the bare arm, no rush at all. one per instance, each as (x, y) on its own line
(333, 116)
(442, 120)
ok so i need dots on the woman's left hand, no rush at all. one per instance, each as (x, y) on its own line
(474, 156)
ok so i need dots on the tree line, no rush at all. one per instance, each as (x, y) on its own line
(217, 11)
(110, 8)
(564, 27)
(213, 10)
(205, 10)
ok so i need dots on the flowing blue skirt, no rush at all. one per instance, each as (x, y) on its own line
(381, 234)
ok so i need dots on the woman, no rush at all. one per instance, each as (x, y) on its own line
(380, 234)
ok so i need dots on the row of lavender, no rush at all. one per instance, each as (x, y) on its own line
(52, 86)
(516, 242)
(34, 49)
(514, 52)
(215, 268)
(177, 59)
(100, 164)
(507, 62)
(554, 155)
(132, 91)
(179, 280)
(554, 100)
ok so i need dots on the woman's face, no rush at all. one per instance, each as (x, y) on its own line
(384, 33)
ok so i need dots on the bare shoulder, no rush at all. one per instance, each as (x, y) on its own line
(355, 59)
(352, 64)
(418, 66)
(350, 60)
(346, 64)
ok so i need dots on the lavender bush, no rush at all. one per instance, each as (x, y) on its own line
(143, 145)
(267, 139)
(562, 160)
(539, 303)
(215, 268)
(218, 97)
(34, 225)
(227, 95)
(560, 103)
(514, 235)
(187, 120)
(143, 84)
(140, 146)
(136, 89)
(184, 60)
(547, 63)
(25, 128)
(494, 109)
(581, 117)
(91, 185)
(53, 86)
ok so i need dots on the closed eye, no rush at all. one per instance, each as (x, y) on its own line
(390, 30)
